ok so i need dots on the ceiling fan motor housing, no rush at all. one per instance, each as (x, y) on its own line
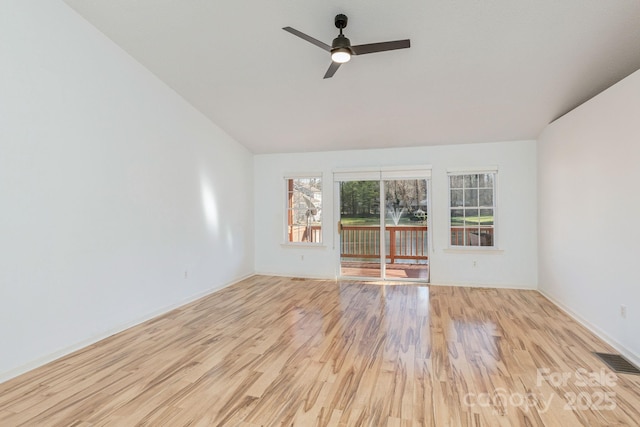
(341, 42)
(341, 21)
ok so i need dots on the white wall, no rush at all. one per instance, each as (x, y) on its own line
(589, 200)
(111, 186)
(514, 266)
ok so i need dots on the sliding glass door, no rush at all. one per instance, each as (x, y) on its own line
(360, 240)
(406, 231)
(383, 225)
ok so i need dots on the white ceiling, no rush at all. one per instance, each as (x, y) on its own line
(477, 70)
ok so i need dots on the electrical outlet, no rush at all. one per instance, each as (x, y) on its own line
(475, 263)
(301, 257)
(623, 311)
(186, 274)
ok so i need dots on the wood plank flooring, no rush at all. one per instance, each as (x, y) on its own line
(273, 351)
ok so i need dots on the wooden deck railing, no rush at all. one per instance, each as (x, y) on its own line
(403, 242)
(302, 233)
(475, 237)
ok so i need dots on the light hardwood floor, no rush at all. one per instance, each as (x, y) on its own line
(272, 351)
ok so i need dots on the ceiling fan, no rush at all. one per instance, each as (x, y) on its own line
(341, 49)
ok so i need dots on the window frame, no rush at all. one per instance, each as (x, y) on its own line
(288, 210)
(494, 227)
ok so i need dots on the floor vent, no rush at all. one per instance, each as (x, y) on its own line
(618, 363)
(298, 279)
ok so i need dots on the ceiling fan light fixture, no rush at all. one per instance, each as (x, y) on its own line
(341, 49)
(340, 55)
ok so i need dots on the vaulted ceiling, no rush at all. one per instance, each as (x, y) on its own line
(477, 70)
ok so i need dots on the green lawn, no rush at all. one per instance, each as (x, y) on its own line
(376, 221)
(455, 221)
(478, 220)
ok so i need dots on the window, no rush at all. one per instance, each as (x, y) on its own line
(304, 209)
(472, 209)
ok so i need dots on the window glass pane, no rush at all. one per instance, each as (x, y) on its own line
(486, 180)
(471, 197)
(457, 236)
(472, 237)
(470, 181)
(457, 217)
(456, 198)
(486, 197)
(455, 181)
(471, 217)
(486, 216)
(486, 238)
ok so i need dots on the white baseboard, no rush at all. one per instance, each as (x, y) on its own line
(370, 279)
(487, 285)
(292, 276)
(40, 361)
(633, 358)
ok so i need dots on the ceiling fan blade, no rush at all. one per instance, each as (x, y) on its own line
(380, 47)
(308, 38)
(332, 69)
